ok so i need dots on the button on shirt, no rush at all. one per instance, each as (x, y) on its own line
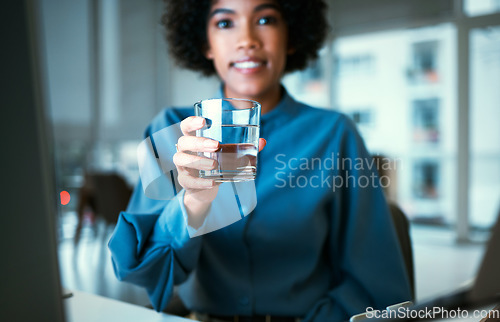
(319, 245)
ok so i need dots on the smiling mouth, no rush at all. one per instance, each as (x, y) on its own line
(249, 64)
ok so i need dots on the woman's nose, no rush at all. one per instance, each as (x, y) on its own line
(248, 38)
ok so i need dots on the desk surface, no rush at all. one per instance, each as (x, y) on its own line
(85, 307)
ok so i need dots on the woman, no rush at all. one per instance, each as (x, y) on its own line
(320, 245)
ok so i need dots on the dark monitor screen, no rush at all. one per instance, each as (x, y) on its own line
(30, 287)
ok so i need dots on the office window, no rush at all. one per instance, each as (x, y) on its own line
(481, 7)
(426, 180)
(426, 120)
(484, 191)
(312, 84)
(362, 117)
(423, 67)
(354, 65)
(406, 78)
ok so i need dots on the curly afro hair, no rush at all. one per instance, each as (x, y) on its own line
(185, 22)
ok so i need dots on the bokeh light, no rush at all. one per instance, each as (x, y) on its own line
(65, 198)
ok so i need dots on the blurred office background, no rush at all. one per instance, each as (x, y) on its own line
(419, 78)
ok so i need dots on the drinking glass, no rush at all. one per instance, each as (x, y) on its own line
(235, 123)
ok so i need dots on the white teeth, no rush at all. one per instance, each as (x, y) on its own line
(247, 64)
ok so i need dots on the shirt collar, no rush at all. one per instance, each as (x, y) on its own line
(287, 108)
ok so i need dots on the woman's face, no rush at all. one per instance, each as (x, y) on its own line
(247, 41)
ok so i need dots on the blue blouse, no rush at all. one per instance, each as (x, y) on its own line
(319, 245)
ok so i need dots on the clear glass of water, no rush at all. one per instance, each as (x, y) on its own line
(235, 123)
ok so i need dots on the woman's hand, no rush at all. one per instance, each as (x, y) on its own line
(199, 192)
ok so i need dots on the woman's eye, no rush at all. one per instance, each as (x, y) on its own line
(266, 20)
(225, 23)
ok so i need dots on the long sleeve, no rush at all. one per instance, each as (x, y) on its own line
(363, 246)
(153, 249)
(151, 246)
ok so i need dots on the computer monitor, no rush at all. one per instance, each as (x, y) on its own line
(30, 287)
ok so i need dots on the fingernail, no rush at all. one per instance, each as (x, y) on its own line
(211, 144)
(199, 121)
